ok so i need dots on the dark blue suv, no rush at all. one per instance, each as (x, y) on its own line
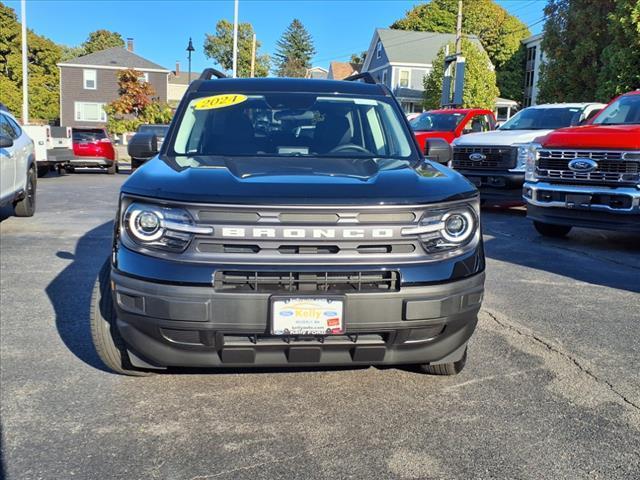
(290, 222)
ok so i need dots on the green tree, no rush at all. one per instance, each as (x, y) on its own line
(480, 88)
(219, 46)
(621, 57)
(499, 32)
(101, 40)
(576, 34)
(358, 58)
(294, 51)
(42, 55)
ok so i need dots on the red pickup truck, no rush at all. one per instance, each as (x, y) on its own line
(450, 123)
(588, 176)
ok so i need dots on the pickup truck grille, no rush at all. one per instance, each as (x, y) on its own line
(495, 158)
(612, 167)
(308, 282)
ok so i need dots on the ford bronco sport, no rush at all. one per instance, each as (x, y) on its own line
(291, 222)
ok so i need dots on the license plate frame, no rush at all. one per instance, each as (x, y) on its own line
(578, 200)
(284, 325)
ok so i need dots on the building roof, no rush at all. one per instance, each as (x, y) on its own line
(402, 46)
(290, 85)
(340, 70)
(532, 39)
(115, 57)
(182, 78)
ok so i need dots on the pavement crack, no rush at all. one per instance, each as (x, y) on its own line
(514, 327)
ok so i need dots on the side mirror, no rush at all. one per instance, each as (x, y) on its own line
(143, 146)
(438, 150)
(5, 141)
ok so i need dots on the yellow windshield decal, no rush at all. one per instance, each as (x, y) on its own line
(219, 101)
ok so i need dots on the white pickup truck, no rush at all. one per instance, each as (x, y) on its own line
(53, 146)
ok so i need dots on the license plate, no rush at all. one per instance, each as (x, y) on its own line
(307, 316)
(577, 201)
(477, 181)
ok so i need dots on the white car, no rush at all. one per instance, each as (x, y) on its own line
(18, 174)
(494, 160)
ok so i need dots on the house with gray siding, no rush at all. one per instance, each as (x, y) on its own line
(401, 59)
(89, 82)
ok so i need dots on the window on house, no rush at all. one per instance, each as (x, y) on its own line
(379, 50)
(384, 77)
(404, 78)
(90, 82)
(90, 112)
(144, 77)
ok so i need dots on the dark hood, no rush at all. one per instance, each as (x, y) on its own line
(295, 181)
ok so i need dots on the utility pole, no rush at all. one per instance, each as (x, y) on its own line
(235, 38)
(459, 29)
(253, 56)
(25, 66)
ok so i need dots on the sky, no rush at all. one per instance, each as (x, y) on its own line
(161, 28)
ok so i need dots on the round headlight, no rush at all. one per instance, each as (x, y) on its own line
(146, 225)
(458, 226)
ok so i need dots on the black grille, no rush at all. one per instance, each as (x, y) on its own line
(495, 158)
(328, 282)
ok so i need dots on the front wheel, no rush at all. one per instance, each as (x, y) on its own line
(452, 368)
(550, 230)
(113, 168)
(27, 206)
(43, 170)
(104, 332)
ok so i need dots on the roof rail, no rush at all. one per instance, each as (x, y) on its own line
(208, 73)
(366, 76)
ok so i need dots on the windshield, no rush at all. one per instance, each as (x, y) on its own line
(157, 130)
(292, 124)
(543, 118)
(624, 111)
(436, 122)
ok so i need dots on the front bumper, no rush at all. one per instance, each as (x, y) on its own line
(607, 208)
(497, 186)
(177, 324)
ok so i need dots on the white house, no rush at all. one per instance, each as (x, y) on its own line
(535, 56)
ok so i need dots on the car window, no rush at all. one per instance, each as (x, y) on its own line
(540, 118)
(158, 130)
(6, 127)
(16, 128)
(289, 124)
(623, 111)
(479, 123)
(436, 122)
(88, 135)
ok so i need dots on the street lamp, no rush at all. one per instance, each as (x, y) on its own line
(190, 49)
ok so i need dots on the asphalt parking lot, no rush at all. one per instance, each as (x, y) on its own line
(551, 389)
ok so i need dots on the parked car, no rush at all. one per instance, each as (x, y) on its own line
(53, 146)
(18, 175)
(588, 176)
(494, 161)
(450, 123)
(142, 137)
(92, 147)
(236, 247)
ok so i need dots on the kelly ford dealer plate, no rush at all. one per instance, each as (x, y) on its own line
(307, 316)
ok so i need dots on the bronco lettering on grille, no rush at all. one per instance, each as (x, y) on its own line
(345, 233)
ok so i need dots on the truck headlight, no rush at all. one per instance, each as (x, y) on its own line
(159, 227)
(530, 162)
(449, 231)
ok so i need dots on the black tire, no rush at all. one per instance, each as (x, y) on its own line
(550, 230)
(27, 206)
(452, 368)
(135, 163)
(104, 332)
(43, 170)
(69, 169)
(113, 168)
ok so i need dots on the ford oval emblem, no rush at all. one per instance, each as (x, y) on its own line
(583, 165)
(477, 157)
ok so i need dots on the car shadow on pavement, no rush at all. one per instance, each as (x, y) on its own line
(571, 257)
(70, 292)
